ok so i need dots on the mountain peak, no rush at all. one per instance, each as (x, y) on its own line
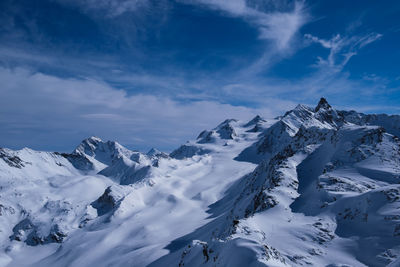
(94, 139)
(153, 151)
(226, 122)
(89, 143)
(93, 145)
(322, 104)
(257, 119)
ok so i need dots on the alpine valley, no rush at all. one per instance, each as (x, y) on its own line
(314, 187)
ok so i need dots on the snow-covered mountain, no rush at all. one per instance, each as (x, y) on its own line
(316, 186)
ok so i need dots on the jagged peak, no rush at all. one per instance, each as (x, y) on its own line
(322, 104)
(301, 107)
(257, 119)
(153, 151)
(226, 122)
(301, 111)
(203, 134)
(91, 144)
(95, 138)
(322, 116)
(226, 130)
(91, 141)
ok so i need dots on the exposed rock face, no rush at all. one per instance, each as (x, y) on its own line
(256, 120)
(323, 104)
(12, 161)
(110, 200)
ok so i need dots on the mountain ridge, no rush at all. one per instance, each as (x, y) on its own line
(314, 186)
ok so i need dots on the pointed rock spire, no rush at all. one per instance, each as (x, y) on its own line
(322, 104)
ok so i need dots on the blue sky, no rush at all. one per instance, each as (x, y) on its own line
(155, 73)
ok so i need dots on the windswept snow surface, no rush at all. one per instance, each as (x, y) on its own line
(316, 186)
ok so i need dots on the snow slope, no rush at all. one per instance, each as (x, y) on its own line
(316, 186)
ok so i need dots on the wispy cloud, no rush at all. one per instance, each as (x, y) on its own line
(342, 48)
(278, 23)
(281, 27)
(111, 8)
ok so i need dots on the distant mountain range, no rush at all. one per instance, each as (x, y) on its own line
(314, 187)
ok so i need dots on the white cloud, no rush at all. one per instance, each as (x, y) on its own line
(279, 26)
(45, 110)
(235, 7)
(42, 109)
(278, 23)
